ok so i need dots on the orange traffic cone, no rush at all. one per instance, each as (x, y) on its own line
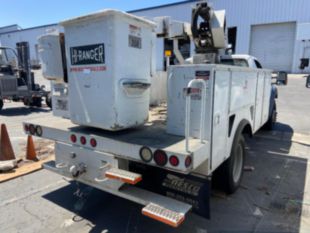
(6, 149)
(30, 150)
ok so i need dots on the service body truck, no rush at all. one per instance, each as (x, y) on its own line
(162, 158)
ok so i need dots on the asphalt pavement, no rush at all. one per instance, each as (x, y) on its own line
(274, 197)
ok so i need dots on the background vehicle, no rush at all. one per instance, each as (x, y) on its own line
(16, 79)
(241, 60)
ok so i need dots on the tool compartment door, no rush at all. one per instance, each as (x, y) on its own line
(259, 100)
(262, 101)
(220, 117)
(267, 94)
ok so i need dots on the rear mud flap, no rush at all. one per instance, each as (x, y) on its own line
(186, 188)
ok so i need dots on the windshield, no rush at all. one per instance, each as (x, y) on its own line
(7, 57)
(235, 62)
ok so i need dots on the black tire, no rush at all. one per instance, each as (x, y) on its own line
(26, 102)
(48, 100)
(269, 125)
(37, 102)
(33, 102)
(229, 175)
(1, 104)
(308, 82)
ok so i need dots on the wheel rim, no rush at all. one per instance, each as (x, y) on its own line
(237, 168)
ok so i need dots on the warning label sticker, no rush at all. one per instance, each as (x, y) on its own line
(134, 38)
(135, 42)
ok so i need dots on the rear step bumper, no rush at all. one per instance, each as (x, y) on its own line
(158, 207)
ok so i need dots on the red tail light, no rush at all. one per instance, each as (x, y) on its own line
(160, 157)
(188, 161)
(93, 142)
(73, 138)
(83, 140)
(174, 161)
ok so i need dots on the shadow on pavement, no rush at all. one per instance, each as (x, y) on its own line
(22, 111)
(269, 200)
(283, 127)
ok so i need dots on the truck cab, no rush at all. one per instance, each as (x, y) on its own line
(242, 60)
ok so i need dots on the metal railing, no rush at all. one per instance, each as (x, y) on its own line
(189, 92)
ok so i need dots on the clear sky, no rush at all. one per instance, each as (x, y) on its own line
(31, 13)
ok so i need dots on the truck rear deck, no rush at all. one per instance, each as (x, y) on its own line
(126, 144)
(105, 165)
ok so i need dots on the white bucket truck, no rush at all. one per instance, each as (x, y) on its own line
(109, 139)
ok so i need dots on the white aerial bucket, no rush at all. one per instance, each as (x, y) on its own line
(109, 60)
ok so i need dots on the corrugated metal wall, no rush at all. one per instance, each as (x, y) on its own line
(245, 13)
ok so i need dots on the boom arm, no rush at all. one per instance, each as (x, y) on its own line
(207, 30)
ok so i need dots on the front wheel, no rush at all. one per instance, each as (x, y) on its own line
(230, 173)
(48, 100)
(36, 102)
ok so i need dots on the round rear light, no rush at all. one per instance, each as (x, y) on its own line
(93, 142)
(26, 128)
(174, 161)
(146, 154)
(39, 131)
(32, 129)
(160, 157)
(188, 161)
(73, 138)
(83, 140)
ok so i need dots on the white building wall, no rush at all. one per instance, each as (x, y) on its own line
(244, 13)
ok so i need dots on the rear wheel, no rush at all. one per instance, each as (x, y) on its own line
(1, 104)
(229, 175)
(269, 125)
